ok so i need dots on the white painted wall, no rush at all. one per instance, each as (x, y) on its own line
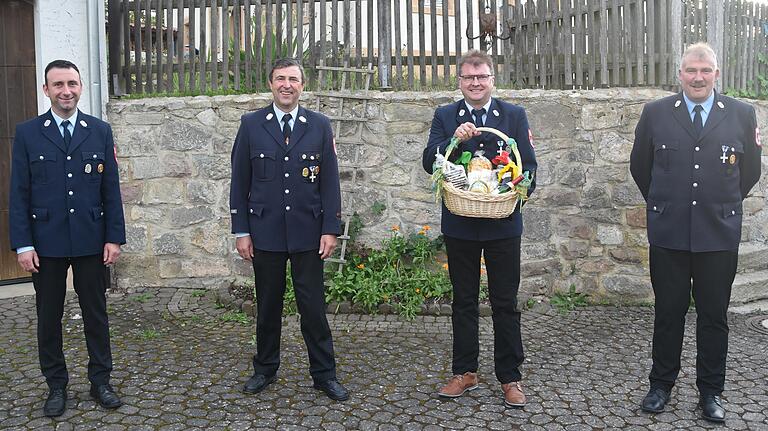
(73, 30)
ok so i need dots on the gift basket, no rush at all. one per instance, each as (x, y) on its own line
(474, 186)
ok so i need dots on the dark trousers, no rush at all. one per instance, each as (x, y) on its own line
(671, 274)
(502, 261)
(307, 274)
(90, 280)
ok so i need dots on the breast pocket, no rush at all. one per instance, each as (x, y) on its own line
(732, 152)
(263, 164)
(93, 165)
(664, 153)
(39, 165)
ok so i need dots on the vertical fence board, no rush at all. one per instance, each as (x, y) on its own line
(446, 45)
(370, 22)
(203, 57)
(604, 77)
(214, 45)
(321, 35)
(138, 37)
(347, 36)
(299, 29)
(225, 44)
(248, 43)
(409, 40)
(651, 42)
(751, 35)
(541, 15)
(591, 43)
(159, 33)
(359, 37)
(127, 38)
(663, 52)
(279, 21)
(289, 40)
(182, 77)
(640, 44)
(312, 42)
(457, 32)
(147, 46)
(567, 46)
(530, 44)
(507, 44)
(432, 40)
(579, 33)
(628, 45)
(470, 26)
(398, 78)
(236, 45)
(193, 69)
(422, 45)
(259, 68)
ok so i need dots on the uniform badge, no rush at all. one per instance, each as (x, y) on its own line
(461, 113)
(720, 104)
(725, 148)
(495, 112)
(47, 123)
(83, 123)
(677, 103)
(732, 159)
(305, 172)
(314, 170)
(88, 168)
(530, 138)
(302, 119)
(269, 116)
(100, 168)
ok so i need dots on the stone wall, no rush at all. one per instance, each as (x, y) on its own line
(585, 225)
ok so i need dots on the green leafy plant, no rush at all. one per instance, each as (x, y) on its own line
(198, 293)
(568, 301)
(402, 273)
(149, 334)
(235, 317)
(141, 297)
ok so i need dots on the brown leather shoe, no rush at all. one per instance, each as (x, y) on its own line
(459, 384)
(513, 394)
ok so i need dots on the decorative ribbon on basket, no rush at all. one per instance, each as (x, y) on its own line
(482, 205)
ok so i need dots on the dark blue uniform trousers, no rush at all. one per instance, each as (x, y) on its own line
(90, 281)
(502, 261)
(307, 274)
(671, 274)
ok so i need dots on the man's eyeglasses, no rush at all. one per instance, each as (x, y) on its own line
(471, 78)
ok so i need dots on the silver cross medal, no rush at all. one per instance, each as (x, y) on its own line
(723, 158)
(312, 174)
(501, 145)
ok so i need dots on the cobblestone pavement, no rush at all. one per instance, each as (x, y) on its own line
(180, 363)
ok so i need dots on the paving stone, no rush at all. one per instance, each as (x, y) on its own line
(180, 365)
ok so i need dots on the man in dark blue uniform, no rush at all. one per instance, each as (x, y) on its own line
(498, 240)
(695, 158)
(66, 210)
(285, 203)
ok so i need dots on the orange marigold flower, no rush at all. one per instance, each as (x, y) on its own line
(361, 266)
(425, 227)
(395, 228)
(445, 266)
(418, 290)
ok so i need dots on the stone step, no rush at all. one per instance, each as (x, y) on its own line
(752, 257)
(751, 286)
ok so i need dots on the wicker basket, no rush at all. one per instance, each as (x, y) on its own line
(481, 205)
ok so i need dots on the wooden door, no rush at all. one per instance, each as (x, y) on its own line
(18, 102)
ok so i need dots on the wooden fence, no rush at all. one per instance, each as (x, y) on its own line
(196, 46)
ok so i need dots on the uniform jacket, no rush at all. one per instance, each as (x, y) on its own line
(694, 186)
(285, 196)
(503, 116)
(65, 203)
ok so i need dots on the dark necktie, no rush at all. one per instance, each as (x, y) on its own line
(478, 114)
(286, 127)
(67, 135)
(698, 124)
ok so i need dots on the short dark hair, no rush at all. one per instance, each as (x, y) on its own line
(475, 57)
(282, 63)
(60, 64)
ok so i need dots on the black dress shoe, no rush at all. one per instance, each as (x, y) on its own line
(106, 396)
(655, 400)
(712, 408)
(333, 389)
(56, 402)
(257, 383)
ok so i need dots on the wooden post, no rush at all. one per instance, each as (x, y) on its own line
(385, 49)
(715, 29)
(675, 34)
(116, 77)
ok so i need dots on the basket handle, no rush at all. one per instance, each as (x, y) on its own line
(507, 139)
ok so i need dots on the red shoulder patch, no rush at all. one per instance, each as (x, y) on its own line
(757, 137)
(530, 139)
